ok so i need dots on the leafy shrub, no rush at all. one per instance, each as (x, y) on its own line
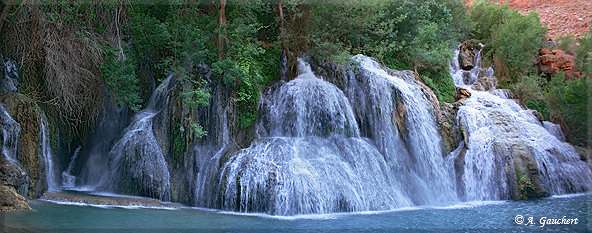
(511, 39)
(441, 82)
(584, 55)
(517, 43)
(121, 81)
(569, 106)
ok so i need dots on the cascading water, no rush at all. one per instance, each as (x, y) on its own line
(499, 135)
(68, 180)
(10, 79)
(47, 155)
(310, 156)
(136, 162)
(10, 132)
(208, 168)
(395, 112)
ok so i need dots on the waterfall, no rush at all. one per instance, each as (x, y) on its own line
(396, 113)
(208, 166)
(10, 78)
(500, 140)
(10, 132)
(320, 150)
(68, 180)
(136, 162)
(47, 157)
(308, 106)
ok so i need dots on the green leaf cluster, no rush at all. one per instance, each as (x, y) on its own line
(120, 79)
(510, 38)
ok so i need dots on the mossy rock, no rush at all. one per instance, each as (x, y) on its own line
(26, 112)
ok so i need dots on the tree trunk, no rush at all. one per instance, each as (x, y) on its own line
(282, 28)
(222, 24)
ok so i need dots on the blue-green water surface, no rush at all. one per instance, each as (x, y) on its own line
(470, 216)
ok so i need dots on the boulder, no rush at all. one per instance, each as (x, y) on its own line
(461, 94)
(12, 174)
(448, 127)
(466, 57)
(551, 61)
(520, 166)
(400, 116)
(585, 154)
(537, 114)
(10, 200)
(485, 83)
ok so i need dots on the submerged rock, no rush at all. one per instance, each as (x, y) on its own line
(485, 83)
(10, 200)
(125, 201)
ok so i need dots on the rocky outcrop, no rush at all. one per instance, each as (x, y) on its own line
(26, 112)
(461, 94)
(10, 200)
(12, 174)
(521, 169)
(485, 83)
(515, 160)
(585, 155)
(466, 57)
(551, 61)
(448, 127)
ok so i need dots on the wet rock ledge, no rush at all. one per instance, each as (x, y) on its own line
(107, 200)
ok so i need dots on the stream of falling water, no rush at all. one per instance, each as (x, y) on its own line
(496, 130)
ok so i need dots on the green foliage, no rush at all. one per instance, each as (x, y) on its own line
(566, 43)
(197, 131)
(524, 184)
(121, 81)
(179, 34)
(193, 92)
(488, 17)
(408, 34)
(179, 144)
(517, 42)
(569, 106)
(529, 88)
(441, 82)
(511, 38)
(583, 55)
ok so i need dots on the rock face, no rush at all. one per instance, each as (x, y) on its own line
(137, 165)
(551, 61)
(485, 83)
(466, 57)
(28, 115)
(10, 200)
(12, 174)
(461, 94)
(449, 127)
